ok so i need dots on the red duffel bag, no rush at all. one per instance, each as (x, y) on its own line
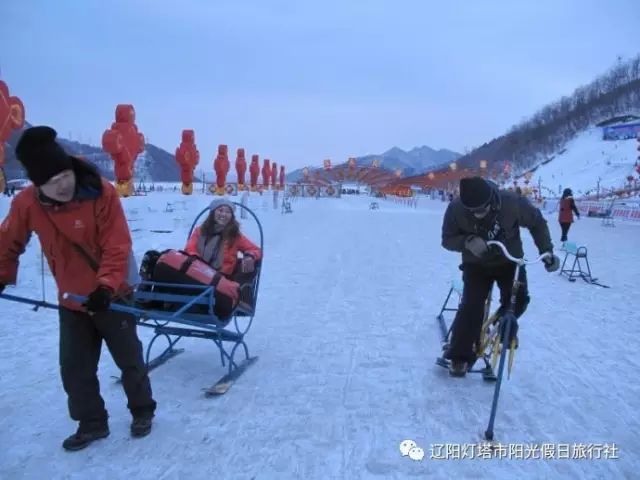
(175, 266)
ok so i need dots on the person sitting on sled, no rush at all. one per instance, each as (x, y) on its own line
(218, 241)
(482, 212)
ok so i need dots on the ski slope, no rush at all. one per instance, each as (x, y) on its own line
(347, 337)
(586, 159)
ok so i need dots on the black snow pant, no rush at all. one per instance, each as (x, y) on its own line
(564, 227)
(81, 338)
(478, 280)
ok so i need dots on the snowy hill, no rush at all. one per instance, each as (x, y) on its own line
(587, 159)
(346, 347)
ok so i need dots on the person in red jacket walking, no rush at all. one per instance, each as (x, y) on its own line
(565, 215)
(84, 235)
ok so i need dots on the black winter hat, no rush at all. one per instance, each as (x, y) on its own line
(40, 154)
(475, 192)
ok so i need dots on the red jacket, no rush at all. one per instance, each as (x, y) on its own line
(567, 207)
(94, 220)
(230, 250)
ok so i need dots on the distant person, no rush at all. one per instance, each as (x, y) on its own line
(84, 235)
(565, 215)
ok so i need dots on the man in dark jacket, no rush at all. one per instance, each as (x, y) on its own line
(84, 235)
(482, 213)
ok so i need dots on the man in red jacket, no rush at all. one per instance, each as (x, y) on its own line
(84, 235)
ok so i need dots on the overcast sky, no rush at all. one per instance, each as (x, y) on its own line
(301, 81)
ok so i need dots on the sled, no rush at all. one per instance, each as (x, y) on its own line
(580, 266)
(185, 321)
(190, 316)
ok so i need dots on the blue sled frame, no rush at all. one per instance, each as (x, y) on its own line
(178, 324)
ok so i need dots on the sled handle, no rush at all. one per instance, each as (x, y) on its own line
(519, 261)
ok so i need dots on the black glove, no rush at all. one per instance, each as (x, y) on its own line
(551, 263)
(2, 285)
(99, 300)
(476, 245)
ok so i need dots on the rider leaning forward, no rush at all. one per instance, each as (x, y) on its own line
(482, 213)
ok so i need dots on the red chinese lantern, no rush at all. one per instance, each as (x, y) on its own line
(11, 116)
(187, 156)
(266, 173)
(123, 143)
(254, 172)
(274, 176)
(221, 167)
(241, 168)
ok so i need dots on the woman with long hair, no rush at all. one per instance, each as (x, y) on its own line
(218, 240)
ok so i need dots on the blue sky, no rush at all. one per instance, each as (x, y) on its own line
(298, 82)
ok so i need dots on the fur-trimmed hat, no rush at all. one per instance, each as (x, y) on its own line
(40, 154)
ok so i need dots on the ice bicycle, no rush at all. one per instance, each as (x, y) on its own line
(189, 315)
(498, 334)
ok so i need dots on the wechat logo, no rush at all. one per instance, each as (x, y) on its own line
(409, 448)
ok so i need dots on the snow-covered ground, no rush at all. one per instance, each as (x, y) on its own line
(347, 336)
(585, 160)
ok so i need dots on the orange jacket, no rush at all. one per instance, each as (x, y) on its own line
(230, 252)
(95, 221)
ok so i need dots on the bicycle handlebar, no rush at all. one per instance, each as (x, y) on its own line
(520, 261)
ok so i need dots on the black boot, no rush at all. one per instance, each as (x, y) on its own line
(458, 368)
(84, 436)
(141, 425)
